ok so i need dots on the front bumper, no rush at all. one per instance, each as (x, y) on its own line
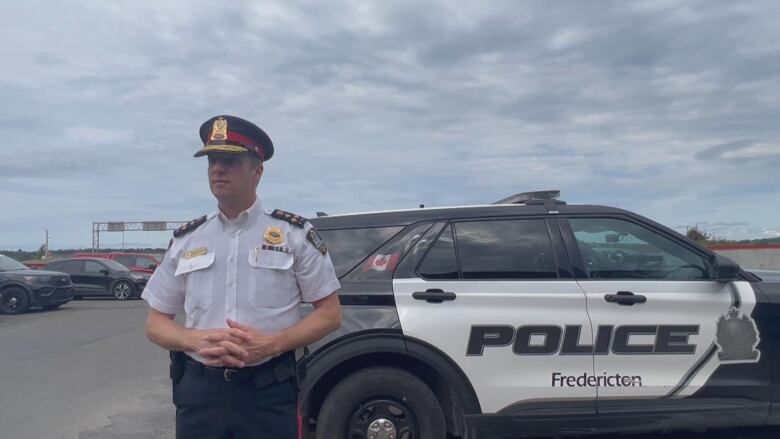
(50, 295)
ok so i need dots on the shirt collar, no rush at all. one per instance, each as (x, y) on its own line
(244, 218)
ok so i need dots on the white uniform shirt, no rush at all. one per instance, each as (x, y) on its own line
(226, 269)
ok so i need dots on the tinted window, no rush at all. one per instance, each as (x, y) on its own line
(114, 265)
(7, 263)
(93, 267)
(381, 265)
(126, 260)
(408, 266)
(68, 266)
(145, 262)
(612, 248)
(441, 261)
(505, 249)
(348, 247)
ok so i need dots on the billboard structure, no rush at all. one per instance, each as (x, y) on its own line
(131, 226)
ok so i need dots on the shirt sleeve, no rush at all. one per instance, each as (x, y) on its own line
(165, 291)
(314, 271)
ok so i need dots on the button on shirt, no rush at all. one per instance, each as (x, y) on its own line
(227, 269)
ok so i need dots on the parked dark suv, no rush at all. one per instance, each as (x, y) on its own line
(22, 288)
(101, 277)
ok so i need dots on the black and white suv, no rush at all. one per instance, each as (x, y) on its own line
(533, 317)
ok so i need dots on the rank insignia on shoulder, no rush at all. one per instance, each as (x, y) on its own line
(316, 241)
(296, 220)
(273, 235)
(190, 226)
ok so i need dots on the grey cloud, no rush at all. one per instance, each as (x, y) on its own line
(717, 151)
(392, 104)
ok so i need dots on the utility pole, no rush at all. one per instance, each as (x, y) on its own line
(46, 247)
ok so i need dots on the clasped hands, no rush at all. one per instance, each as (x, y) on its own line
(234, 346)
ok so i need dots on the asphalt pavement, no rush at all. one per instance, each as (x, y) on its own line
(87, 371)
(83, 371)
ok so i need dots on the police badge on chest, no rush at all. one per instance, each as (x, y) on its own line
(273, 241)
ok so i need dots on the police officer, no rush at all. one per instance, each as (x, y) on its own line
(239, 275)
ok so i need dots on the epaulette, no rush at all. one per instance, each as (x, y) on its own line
(190, 226)
(291, 218)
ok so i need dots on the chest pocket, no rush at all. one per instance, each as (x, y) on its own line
(272, 281)
(198, 272)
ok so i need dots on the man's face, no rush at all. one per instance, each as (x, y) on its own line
(233, 177)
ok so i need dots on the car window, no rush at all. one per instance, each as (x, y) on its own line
(505, 249)
(381, 264)
(71, 267)
(618, 249)
(7, 264)
(347, 247)
(145, 262)
(93, 267)
(114, 265)
(126, 260)
(441, 262)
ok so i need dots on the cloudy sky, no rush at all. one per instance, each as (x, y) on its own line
(667, 108)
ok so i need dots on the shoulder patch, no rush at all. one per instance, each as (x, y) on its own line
(190, 226)
(315, 239)
(296, 220)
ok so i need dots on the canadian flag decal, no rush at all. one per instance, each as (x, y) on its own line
(381, 262)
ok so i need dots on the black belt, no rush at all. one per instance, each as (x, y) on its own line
(275, 370)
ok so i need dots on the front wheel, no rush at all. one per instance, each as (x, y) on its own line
(381, 402)
(14, 301)
(122, 290)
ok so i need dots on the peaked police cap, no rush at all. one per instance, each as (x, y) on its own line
(233, 135)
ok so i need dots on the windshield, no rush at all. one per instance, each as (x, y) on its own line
(114, 265)
(7, 263)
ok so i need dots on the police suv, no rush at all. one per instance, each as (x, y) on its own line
(532, 317)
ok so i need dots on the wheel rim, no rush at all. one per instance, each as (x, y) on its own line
(12, 301)
(122, 290)
(383, 418)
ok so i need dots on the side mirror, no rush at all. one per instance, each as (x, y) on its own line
(726, 270)
(105, 272)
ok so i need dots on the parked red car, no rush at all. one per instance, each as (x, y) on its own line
(137, 262)
(35, 264)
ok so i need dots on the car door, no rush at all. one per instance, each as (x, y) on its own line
(497, 298)
(75, 268)
(98, 277)
(670, 338)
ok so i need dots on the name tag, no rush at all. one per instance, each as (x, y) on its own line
(200, 251)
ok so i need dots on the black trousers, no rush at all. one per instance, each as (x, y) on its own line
(251, 403)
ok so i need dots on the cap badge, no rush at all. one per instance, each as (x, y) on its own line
(273, 235)
(219, 130)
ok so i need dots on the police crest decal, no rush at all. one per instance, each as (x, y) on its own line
(737, 338)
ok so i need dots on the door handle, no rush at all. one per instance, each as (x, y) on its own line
(625, 298)
(434, 295)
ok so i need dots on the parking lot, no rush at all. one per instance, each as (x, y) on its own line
(83, 371)
(86, 371)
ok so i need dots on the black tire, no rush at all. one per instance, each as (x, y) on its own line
(363, 399)
(14, 300)
(51, 307)
(123, 290)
